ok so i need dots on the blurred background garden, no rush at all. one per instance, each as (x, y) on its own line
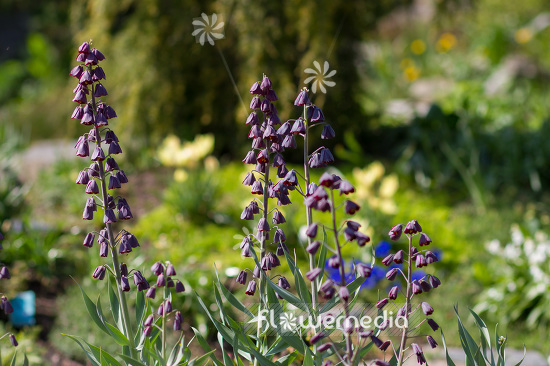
(440, 112)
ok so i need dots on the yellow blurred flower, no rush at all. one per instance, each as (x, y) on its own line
(180, 175)
(523, 35)
(445, 42)
(418, 46)
(375, 188)
(185, 155)
(406, 62)
(411, 73)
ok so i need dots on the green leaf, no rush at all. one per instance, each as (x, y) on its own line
(26, 360)
(206, 347)
(87, 350)
(226, 359)
(301, 287)
(115, 306)
(220, 304)
(468, 344)
(286, 360)
(524, 353)
(308, 358)
(485, 338)
(200, 360)
(448, 358)
(14, 358)
(292, 340)
(117, 335)
(231, 298)
(177, 352)
(131, 360)
(92, 310)
(323, 255)
(140, 307)
(288, 296)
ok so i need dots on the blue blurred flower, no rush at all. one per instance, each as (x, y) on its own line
(438, 253)
(382, 249)
(418, 274)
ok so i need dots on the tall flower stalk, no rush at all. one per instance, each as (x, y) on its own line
(267, 145)
(95, 113)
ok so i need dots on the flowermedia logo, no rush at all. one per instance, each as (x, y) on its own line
(208, 29)
(320, 77)
(298, 322)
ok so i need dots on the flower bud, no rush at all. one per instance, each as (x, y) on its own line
(363, 270)
(178, 319)
(160, 310)
(376, 341)
(388, 260)
(433, 324)
(149, 321)
(431, 342)
(316, 338)
(124, 284)
(392, 294)
(334, 261)
(13, 341)
(167, 307)
(4, 273)
(313, 274)
(380, 304)
(391, 274)
(312, 230)
(313, 247)
(427, 308)
(99, 273)
(343, 293)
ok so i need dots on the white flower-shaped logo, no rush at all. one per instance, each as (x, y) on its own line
(208, 29)
(320, 76)
(288, 321)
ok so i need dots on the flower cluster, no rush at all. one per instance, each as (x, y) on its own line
(267, 145)
(5, 304)
(414, 286)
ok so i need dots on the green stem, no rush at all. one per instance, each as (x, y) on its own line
(263, 279)
(163, 348)
(309, 214)
(403, 343)
(112, 243)
(349, 347)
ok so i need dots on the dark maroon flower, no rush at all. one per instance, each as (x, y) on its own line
(13, 341)
(124, 284)
(151, 292)
(241, 278)
(412, 227)
(157, 268)
(313, 274)
(114, 148)
(283, 283)
(167, 307)
(380, 304)
(418, 352)
(109, 217)
(398, 257)
(103, 249)
(251, 288)
(257, 188)
(420, 261)
(85, 78)
(427, 308)
(89, 239)
(362, 239)
(391, 274)
(395, 232)
(430, 257)
(312, 230)
(92, 187)
(250, 158)
(363, 270)
(255, 88)
(425, 286)
(313, 247)
(160, 310)
(178, 319)
(351, 207)
(346, 187)
(388, 260)
(424, 240)
(100, 90)
(302, 98)
(431, 342)
(392, 294)
(263, 225)
(170, 270)
(316, 338)
(161, 281)
(327, 285)
(343, 292)
(278, 218)
(434, 281)
(384, 346)
(99, 273)
(334, 261)
(281, 249)
(121, 176)
(328, 132)
(249, 179)
(98, 154)
(4, 273)
(433, 324)
(298, 127)
(416, 288)
(77, 113)
(113, 182)
(377, 342)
